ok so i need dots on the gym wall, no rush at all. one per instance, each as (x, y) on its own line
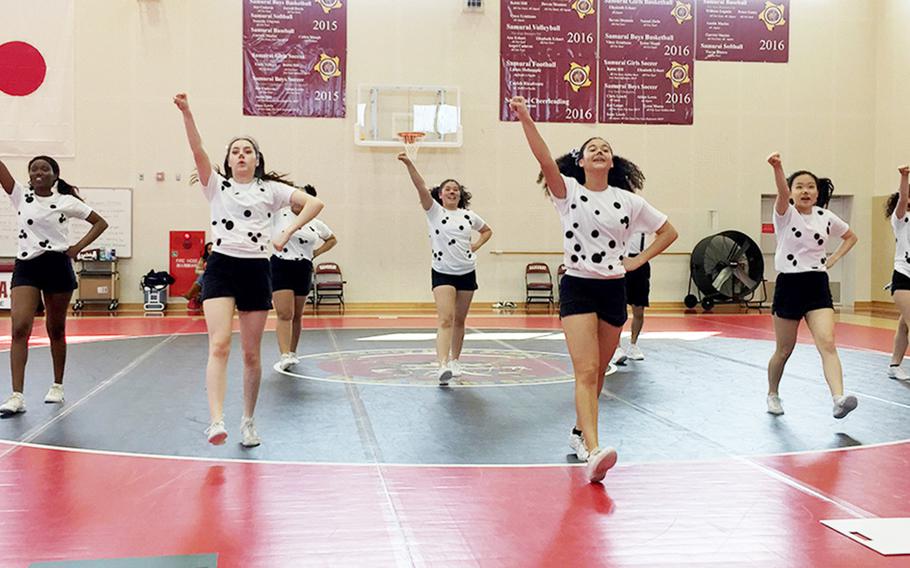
(837, 108)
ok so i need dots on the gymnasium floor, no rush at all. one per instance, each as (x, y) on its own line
(365, 462)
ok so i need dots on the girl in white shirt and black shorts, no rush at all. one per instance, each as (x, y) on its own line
(803, 225)
(292, 275)
(242, 201)
(897, 212)
(453, 274)
(592, 190)
(638, 292)
(44, 266)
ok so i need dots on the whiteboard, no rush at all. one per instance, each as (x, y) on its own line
(113, 203)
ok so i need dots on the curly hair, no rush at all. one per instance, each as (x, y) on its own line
(624, 174)
(464, 201)
(891, 204)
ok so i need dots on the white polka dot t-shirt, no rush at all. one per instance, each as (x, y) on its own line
(597, 226)
(450, 236)
(242, 214)
(301, 244)
(42, 221)
(801, 238)
(901, 229)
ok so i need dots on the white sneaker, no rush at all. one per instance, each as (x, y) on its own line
(445, 375)
(898, 373)
(619, 357)
(577, 443)
(250, 438)
(15, 404)
(54, 394)
(216, 433)
(844, 405)
(599, 462)
(774, 405)
(285, 362)
(294, 356)
(455, 367)
(634, 353)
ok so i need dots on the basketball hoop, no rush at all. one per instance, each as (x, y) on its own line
(410, 140)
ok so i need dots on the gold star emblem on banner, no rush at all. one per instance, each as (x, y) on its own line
(772, 15)
(329, 5)
(327, 67)
(578, 76)
(583, 8)
(682, 11)
(678, 74)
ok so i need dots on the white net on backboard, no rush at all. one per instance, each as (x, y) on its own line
(411, 140)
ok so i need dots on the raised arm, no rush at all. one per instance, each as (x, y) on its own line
(203, 164)
(326, 246)
(782, 203)
(310, 207)
(902, 192)
(6, 178)
(485, 233)
(426, 200)
(99, 225)
(539, 148)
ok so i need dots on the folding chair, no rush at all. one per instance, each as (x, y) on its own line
(328, 284)
(538, 284)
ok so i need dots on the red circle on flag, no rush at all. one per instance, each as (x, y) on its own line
(22, 68)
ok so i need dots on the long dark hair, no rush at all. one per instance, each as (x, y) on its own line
(259, 172)
(891, 204)
(825, 187)
(624, 174)
(205, 251)
(464, 201)
(63, 187)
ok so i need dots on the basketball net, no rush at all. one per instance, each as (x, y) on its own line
(410, 140)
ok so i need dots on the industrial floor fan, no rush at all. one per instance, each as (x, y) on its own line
(726, 268)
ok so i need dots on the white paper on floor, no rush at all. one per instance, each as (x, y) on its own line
(885, 536)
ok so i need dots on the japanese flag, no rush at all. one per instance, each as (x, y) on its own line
(36, 78)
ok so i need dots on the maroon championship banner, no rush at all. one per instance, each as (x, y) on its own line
(648, 61)
(548, 54)
(743, 30)
(294, 57)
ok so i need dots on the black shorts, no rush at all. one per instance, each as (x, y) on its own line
(50, 272)
(296, 275)
(461, 282)
(638, 285)
(606, 298)
(799, 293)
(247, 280)
(899, 281)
